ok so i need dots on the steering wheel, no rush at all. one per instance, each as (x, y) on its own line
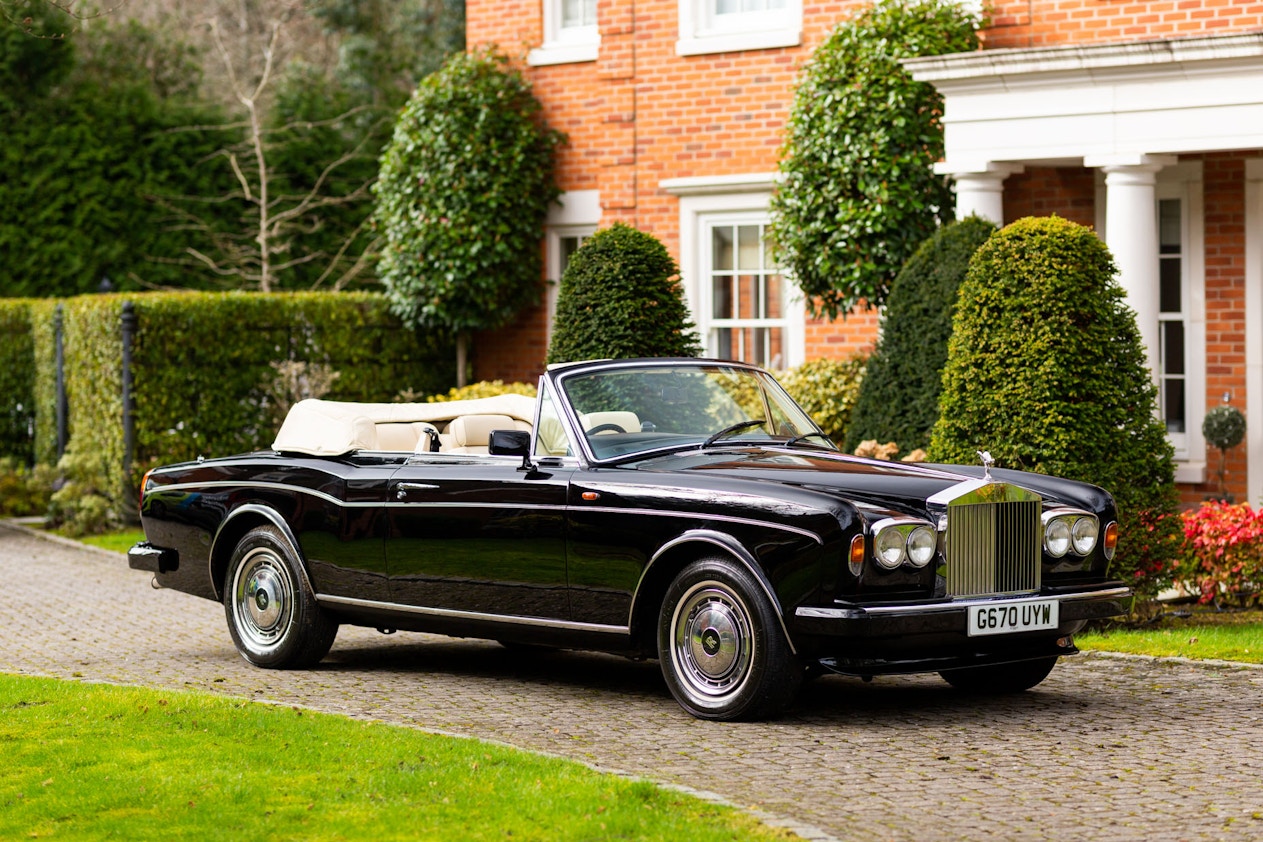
(605, 428)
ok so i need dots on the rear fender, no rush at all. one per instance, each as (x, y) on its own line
(240, 521)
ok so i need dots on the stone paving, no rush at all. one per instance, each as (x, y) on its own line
(1106, 749)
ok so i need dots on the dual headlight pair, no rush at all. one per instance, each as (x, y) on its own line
(1066, 531)
(896, 541)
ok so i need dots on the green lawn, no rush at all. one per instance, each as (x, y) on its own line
(1227, 636)
(91, 761)
(119, 542)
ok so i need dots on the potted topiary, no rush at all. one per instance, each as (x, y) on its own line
(1224, 428)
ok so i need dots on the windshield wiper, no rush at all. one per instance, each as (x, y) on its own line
(796, 439)
(733, 428)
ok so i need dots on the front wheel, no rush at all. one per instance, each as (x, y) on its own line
(1001, 679)
(272, 614)
(721, 646)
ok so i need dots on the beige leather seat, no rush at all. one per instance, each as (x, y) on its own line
(472, 433)
(405, 436)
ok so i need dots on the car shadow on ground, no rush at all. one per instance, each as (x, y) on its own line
(829, 699)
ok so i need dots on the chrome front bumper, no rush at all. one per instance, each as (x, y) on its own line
(949, 616)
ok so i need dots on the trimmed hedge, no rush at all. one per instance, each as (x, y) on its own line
(899, 398)
(202, 373)
(17, 387)
(1046, 370)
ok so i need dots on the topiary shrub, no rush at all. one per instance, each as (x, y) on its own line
(859, 191)
(898, 400)
(620, 298)
(1224, 428)
(1045, 369)
(827, 390)
(465, 185)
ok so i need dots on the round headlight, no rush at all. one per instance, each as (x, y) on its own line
(889, 548)
(922, 542)
(1083, 534)
(1057, 537)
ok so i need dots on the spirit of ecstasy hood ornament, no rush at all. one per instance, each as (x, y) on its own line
(987, 463)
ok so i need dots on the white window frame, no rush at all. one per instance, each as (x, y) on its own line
(705, 201)
(564, 45)
(702, 31)
(576, 213)
(1184, 182)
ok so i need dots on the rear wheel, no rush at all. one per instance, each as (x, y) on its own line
(272, 614)
(999, 679)
(721, 646)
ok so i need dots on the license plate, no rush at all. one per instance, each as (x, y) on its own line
(1010, 617)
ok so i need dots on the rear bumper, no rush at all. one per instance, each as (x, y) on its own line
(152, 559)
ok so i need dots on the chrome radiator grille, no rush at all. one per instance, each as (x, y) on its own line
(993, 548)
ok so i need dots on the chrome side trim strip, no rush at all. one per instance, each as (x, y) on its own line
(328, 498)
(943, 607)
(455, 614)
(724, 518)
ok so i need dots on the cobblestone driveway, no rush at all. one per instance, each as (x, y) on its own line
(1105, 749)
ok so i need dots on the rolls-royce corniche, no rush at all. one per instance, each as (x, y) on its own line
(678, 509)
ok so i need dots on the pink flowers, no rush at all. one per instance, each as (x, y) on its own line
(1222, 556)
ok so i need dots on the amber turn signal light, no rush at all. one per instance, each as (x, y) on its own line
(857, 550)
(1111, 539)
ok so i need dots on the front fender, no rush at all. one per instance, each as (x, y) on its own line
(668, 560)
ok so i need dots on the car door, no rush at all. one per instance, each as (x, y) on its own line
(476, 534)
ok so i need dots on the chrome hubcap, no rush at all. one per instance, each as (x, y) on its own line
(263, 596)
(712, 645)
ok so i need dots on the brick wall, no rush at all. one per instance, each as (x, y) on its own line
(1224, 179)
(1052, 23)
(641, 114)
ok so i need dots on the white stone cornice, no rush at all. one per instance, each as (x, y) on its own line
(712, 185)
(989, 64)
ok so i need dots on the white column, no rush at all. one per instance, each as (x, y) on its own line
(1131, 232)
(1254, 330)
(979, 188)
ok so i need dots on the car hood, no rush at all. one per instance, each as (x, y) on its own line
(897, 486)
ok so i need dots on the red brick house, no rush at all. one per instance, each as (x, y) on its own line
(1141, 119)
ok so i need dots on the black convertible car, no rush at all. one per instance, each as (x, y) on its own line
(686, 510)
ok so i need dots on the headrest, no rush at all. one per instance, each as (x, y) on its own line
(475, 430)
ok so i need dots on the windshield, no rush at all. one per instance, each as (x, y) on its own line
(629, 411)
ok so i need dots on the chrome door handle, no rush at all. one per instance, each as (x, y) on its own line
(402, 489)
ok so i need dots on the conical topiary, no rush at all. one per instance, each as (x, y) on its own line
(1045, 369)
(620, 298)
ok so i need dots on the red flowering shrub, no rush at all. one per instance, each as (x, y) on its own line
(1222, 558)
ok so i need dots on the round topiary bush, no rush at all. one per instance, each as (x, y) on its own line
(859, 192)
(620, 298)
(898, 400)
(464, 188)
(1224, 427)
(1045, 369)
